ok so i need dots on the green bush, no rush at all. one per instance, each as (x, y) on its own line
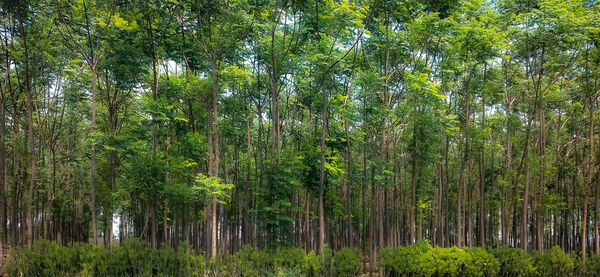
(513, 262)
(593, 266)
(45, 259)
(441, 262)
(246, 262)
(133, 258)
(424, 260)
(553, 263)
(347, 262)
(311, 264)
(482, 263)
(402, 261)
(136, 258)
(289, 258)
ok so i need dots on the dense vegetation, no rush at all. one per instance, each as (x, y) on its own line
(136, 258)
(218, 125)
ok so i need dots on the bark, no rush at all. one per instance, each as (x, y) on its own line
(482, 180)
(465, 161)
(246, 203)
(590, 175)
(524, 211)
(3, 182)
(322, 175)
(93, 155)
(30, 136)
(216, 156)
(507, 166)
(14, 217)
(541, 184)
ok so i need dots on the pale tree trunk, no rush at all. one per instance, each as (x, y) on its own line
(246, 205)
(2, 175)
(30, 136)
(216, 155)
(597, 205)
(14, 203)
(540, 188)
(465, 161)
(348, 184)
(322, 176)
(507, 165)
(413, 188)
(524, 210)
(588, 184)
(93, 153)
(482, 182)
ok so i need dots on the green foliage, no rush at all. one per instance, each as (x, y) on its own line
(513, 261)
(553, 263)
(593, 266)
(133, 258)
(347, 262)
(482, 263)
(424, 260)
(136, 258)
(213, 188)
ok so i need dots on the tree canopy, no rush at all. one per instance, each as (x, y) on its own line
(322, 123)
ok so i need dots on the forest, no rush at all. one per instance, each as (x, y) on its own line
(299, 137)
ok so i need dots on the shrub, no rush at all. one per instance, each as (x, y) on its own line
(402, 261)
(347, 262)
(246, 262)
(513, 262)
(482, 263)
(289, 258)
(44, 259)
(441, 262)
(592, 266)
(136, 258)
(311, 264)
(554, 262)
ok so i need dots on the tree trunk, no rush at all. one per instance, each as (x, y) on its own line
(2, 176)
(588, 185)
(246, 203)
(540, 189)
(14, 209)
(507, 165)
(93, 155)
(322, 176)
(465, 161)
(216, 156)
(482, 176)
(524, 211)
(30, 135)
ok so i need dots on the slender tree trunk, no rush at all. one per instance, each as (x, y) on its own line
(507, 166)
(348, 189)
(482, 217)
(465, 161)
(372, 243)
(413, 187)
(2, 176)
(216, 157)
(588, 185)
(245, 217)
(93, 154)
(597, 204)
(524, 211)
(14, 210)
(30, 135)
(322, 176)
(541, 180)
